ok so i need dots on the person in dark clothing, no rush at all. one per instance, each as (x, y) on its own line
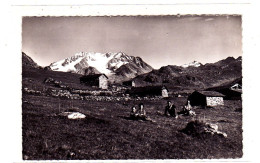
(134, 113)
(170, 108)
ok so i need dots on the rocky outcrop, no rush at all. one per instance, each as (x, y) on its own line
(91, 71)
(202, 129)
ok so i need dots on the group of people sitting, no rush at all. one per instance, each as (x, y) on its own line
(138, 113)
(170, 109)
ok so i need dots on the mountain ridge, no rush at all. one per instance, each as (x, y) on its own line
(112, 64)
(201, 77)
(126, 68)
(28, 61)
(192, 64)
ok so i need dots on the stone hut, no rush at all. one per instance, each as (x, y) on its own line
(230, 94)
(206, 98)
(130, 83)
(232, 91)
(99, 80)
(236, 87)
(149, 91)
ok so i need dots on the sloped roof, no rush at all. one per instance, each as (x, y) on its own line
(147, 90)
(211, 93)
(128, 81)
(237, 90)
(92, 77)
(226, 85)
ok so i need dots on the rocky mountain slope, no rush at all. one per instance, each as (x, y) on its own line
(28, 62)
(198, 77)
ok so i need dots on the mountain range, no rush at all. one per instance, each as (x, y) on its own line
(117, 66)
(196, 77)
(121, 67)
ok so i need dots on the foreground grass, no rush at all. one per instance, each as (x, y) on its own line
(107, 133)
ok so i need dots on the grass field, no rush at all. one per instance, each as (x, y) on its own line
(108, 133)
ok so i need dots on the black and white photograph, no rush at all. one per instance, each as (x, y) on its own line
(132, 87)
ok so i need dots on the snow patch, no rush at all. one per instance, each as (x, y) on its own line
(192, 64)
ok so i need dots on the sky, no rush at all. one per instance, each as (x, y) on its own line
(158, 40)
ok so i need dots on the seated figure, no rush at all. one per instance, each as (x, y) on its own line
(134, 113)
(142, 112)
(170, 108)
(187, 109)
(139, 114)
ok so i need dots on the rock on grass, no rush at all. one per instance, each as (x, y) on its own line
(202, 129)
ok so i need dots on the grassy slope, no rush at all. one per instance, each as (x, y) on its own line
(34, 78)
(107, 133)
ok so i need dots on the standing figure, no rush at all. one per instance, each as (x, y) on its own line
(170, 108)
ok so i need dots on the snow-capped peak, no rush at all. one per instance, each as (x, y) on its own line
(192, 64)
(104, 62)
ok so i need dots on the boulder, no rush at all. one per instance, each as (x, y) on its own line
(73, 115)
(76, 115)
(199, 128)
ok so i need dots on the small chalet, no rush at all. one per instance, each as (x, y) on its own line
(236, 87)
(232, 91)
(99, 80)
(206, 98)
(149, 91)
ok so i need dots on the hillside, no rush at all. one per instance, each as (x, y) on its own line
(194, 77)
(28, 62)
(33, 76)
(108, 133)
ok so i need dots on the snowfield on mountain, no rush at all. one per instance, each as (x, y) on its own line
(107, 63)
(192, 64)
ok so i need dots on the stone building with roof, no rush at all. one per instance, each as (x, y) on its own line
(232, 91)
(98, 80)
(149, 91)
(206, 98)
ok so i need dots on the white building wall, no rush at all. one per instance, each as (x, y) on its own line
(164, 93)
(214, 101)
(133, 83)
(103, 82)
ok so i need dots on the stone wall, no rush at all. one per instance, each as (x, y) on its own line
(214, 101)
